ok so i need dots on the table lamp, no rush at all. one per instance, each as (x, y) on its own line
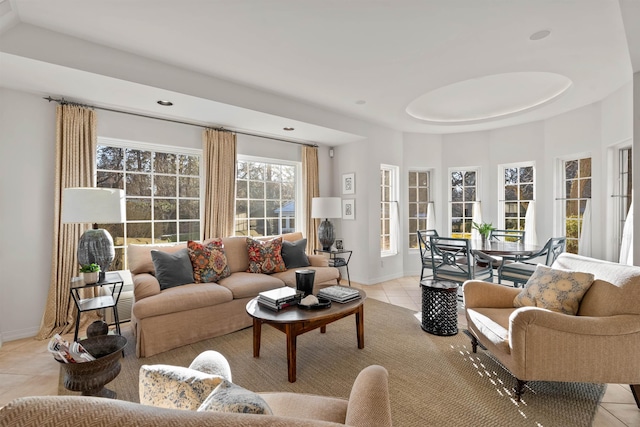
(326, 207)
(94, 206)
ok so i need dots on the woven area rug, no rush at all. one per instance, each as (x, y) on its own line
(433, 381)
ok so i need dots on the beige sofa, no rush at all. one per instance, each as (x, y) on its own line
(173, 317)
(368, 405)
(599, 345)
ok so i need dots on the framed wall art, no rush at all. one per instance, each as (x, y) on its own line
(348, 183)
(349, 209)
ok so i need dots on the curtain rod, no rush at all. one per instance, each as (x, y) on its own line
(63, 101)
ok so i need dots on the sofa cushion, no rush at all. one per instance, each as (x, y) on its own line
(554, 289)
(229, 397)
(176, 387)
(182, 298)
(208, 260)
(265, 256)
(249, 285)
(493, 323)
(172, 269)
(139, 256)
(293, 253)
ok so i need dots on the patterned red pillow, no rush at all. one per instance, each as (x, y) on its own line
(265, 257)
(208, 260)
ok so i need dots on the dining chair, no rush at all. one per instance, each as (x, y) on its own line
(453, 260)
(424, 243)
(520, 271)
(507, 235)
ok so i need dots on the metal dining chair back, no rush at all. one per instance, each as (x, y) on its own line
(424, 243)
(519, 272)
(454, 260)
(507, 235)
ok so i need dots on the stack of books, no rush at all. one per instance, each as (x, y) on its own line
(339, 293)
(277, 299)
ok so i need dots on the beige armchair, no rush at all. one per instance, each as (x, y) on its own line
(601, 344)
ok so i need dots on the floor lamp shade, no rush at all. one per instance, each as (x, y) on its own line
(326, 207)
(94, 206)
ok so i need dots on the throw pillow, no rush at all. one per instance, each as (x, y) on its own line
(208, 260)
(175, 387)
(265, 257)
(229, 397)
(293, 254)
(172, 269)
(553, 289)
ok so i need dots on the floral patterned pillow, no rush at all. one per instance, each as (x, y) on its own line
(229, 397)
(555, 290)
(265, 257)
(175, 387)
(208, 260)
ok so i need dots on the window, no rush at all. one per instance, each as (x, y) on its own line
(577, 190)
(266, 193)
(624, 188)
(518, 189)
(464, 190)
(162, 190)
(419, 196)
(388, 210)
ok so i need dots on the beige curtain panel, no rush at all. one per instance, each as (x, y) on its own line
(220, 155)
(75, 163)
(311, 189)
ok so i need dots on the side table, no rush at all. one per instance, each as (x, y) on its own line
(439, 307)
(112, 278)
(338, 258)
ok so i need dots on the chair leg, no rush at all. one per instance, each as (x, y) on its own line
(519, 389)
(474, 344)
(635, 389)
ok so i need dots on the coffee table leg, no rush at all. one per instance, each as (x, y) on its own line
(360, 326)
(323, 329)
(291, 352)
(257, 332)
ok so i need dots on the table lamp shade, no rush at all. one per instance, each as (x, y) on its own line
(95, 206)
(326, 207)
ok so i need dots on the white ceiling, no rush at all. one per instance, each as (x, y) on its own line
(463, 65)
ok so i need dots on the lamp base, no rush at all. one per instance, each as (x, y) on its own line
(326, 235)
(96, 246)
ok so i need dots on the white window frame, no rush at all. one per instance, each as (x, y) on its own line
(146, 146)
(394, 226)
(501, 188)
(561, 199)
(299, 223)
(478, 171)
(421, 223)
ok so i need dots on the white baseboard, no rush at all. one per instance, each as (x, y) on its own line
(18, 334)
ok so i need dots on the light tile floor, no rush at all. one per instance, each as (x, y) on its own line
(21, 358)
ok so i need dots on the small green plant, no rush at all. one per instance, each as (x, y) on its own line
(484, 228)
(89, 268)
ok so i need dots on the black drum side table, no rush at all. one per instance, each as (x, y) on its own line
(439, 307)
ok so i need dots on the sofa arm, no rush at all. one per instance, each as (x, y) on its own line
(318, 260)
(488, 295)
(369, 403)
(145, 285)
(526, 317)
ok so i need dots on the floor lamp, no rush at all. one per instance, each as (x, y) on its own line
(94, 206)
(326, 207)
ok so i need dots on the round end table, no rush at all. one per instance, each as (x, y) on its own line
(439, 307)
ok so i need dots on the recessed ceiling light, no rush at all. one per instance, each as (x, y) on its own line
(539, 35)
(288, 129)
(165, 103)
(361, 102)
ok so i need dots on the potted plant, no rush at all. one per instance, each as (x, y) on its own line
(484, 229)
(90, 273)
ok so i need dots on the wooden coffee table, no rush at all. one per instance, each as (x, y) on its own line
(294, 321)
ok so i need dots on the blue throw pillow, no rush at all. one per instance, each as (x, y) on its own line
(294, 255)
(172, 269)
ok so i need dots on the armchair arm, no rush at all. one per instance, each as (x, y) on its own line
(488, 295)
(369, 403)
(318, 260)
(619, 325)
